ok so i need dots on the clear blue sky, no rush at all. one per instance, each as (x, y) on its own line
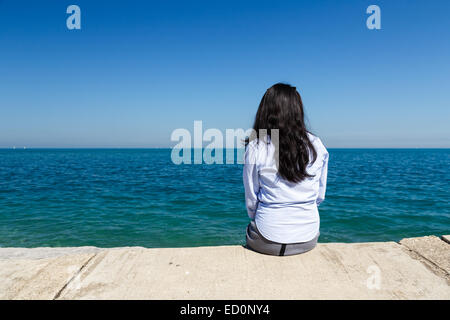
(137, 70)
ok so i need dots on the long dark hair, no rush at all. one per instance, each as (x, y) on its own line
(282, 108)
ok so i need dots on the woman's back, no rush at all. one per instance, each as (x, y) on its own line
(284, 211)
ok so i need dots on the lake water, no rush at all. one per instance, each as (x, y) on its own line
(138, 197)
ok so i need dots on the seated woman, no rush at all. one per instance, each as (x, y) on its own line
(285, 175)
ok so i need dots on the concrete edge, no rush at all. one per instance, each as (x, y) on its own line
(52, 253)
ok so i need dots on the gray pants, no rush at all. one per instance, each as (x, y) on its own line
(256, 242)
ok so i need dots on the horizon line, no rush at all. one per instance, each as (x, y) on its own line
(143, 148)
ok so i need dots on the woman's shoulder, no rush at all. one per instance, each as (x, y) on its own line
(258, 149)
(317, 143)
(259, 144)
(251, 150)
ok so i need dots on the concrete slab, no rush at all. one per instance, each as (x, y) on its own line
(431, 248)
(331, 271)
(384, 270)
(38, 279)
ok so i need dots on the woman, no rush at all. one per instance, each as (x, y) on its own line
(285, 174)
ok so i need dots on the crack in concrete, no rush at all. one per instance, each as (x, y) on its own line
(58, 294)
(445, 240)
(431, 265)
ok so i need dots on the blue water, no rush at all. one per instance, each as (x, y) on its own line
(110, 198)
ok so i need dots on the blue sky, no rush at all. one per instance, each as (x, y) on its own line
(137, 70)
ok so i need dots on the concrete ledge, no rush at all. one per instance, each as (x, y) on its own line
(378, 270)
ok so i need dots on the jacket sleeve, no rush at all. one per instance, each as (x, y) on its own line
(251, 181)
(323, 180)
